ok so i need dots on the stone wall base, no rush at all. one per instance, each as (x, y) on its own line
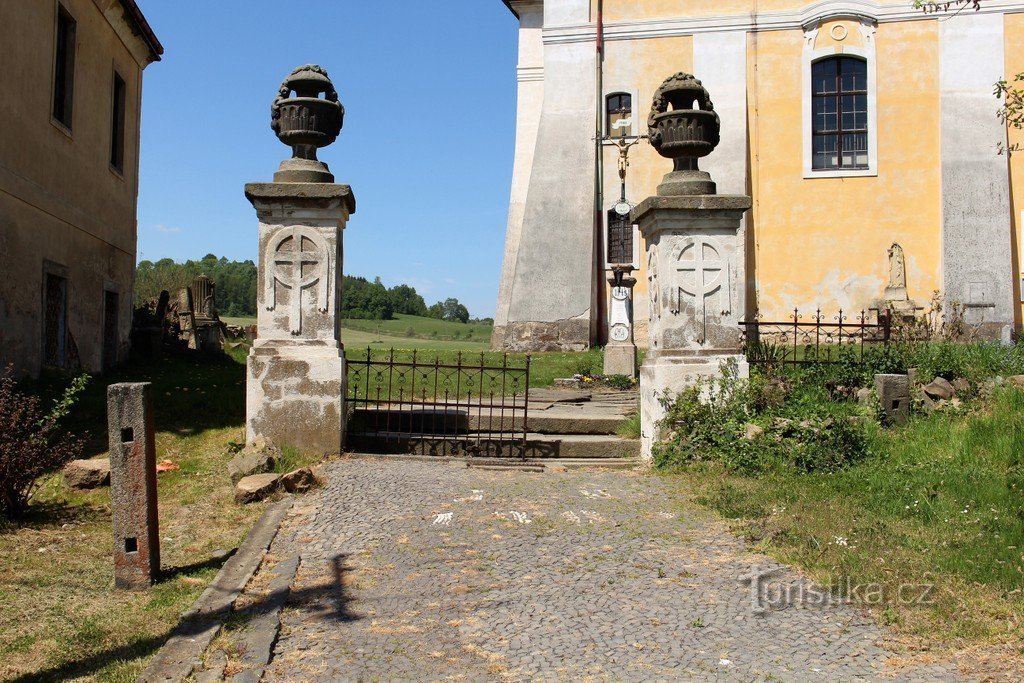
(620, 359)
(295, 397)
(665, 376)
(561, 335)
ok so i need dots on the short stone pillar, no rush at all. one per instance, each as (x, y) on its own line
(894, 394)
(133, 484)
(620, 351)
(696, 258)
(296, 368)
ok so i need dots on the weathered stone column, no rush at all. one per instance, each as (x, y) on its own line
(695, 257)
(296, 368)
(620, 351)
(133, 500)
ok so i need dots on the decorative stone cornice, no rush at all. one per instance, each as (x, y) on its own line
(526, 74)
(813, 13)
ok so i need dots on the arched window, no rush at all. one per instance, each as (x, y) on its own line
(839, 113)
(619, 114)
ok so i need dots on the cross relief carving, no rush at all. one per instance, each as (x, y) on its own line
(298, 259)
(702, 273)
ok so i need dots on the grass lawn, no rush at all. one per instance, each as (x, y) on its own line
(407, 332)
(62, 617)
(940, 502)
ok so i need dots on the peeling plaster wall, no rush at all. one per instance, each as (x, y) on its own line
(60, 201)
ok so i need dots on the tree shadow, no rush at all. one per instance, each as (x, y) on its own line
(214, 562)
(42, 515)
(191, 627)
(192, 393)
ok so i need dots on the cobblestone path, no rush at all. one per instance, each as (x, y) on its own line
(423, 571)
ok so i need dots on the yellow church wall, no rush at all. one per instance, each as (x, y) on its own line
(635, 10)
(1014, 41)
(640, 66)
(823, 241)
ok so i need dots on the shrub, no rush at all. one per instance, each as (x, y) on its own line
(800, 425)
(31, 441)
(583, 365)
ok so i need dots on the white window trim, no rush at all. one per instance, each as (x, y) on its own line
(634, 100)
(867, 53)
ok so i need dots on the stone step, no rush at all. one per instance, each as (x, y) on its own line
(556, 420)
(538, 446)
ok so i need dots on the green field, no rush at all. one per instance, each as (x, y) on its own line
(406, 332)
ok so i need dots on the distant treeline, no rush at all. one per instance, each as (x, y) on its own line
(236, 290)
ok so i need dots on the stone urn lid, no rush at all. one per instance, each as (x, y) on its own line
(684, 126)
(305, 121)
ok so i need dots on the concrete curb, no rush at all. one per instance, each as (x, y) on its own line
(260, 634)
(182, 653)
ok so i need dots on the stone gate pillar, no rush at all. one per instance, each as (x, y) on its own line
(296, 368)
(696, 262)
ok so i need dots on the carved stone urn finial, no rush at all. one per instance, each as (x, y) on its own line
(684, 126)
(305, 121)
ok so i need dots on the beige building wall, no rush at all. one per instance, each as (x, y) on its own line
(64, 209)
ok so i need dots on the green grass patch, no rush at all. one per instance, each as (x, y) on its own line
(939, 502)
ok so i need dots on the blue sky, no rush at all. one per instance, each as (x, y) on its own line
(429, 93)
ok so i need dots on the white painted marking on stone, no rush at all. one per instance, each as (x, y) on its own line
(443, 519)
(592, 516)
(595, 493)
(667, 515)
(476, 496)
(520, 517)
(571, 516)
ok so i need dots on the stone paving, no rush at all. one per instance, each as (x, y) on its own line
(425, 571)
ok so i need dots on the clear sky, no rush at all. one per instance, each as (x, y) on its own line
(429, 93)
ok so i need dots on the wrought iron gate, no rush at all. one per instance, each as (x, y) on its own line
(401, 402)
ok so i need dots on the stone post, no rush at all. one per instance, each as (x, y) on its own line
(696, 263)
(296, 368)
(133, 485)
(620, 351)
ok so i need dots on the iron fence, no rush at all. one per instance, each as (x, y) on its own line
(817, 338)
(401, 402)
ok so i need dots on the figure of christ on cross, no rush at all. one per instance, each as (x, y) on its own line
(287, 267)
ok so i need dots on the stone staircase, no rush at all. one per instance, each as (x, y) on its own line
(565, 428)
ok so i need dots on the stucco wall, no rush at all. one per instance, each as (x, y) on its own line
(60, 201)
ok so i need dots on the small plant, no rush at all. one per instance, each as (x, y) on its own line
(630, 429)
(583, 366)
(620, 382)
(32, 442)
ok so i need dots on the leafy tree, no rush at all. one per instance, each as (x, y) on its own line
(404, 299)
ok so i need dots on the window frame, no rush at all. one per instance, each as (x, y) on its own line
(118, 115)
(65, 124)
(62, 272)
(838, 95)
(810, 57)
(606, 113)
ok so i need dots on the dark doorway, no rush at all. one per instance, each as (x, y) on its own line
(110, 301)
(55, 331)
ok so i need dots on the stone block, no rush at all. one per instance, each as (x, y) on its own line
(87, 474)
(256, 487)
(663, 376)
(252, 460)
(133, 495)
(620, 359)
(939, 389)
(298, 481)
(295, 396)
(752, 431)
(894, 394)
